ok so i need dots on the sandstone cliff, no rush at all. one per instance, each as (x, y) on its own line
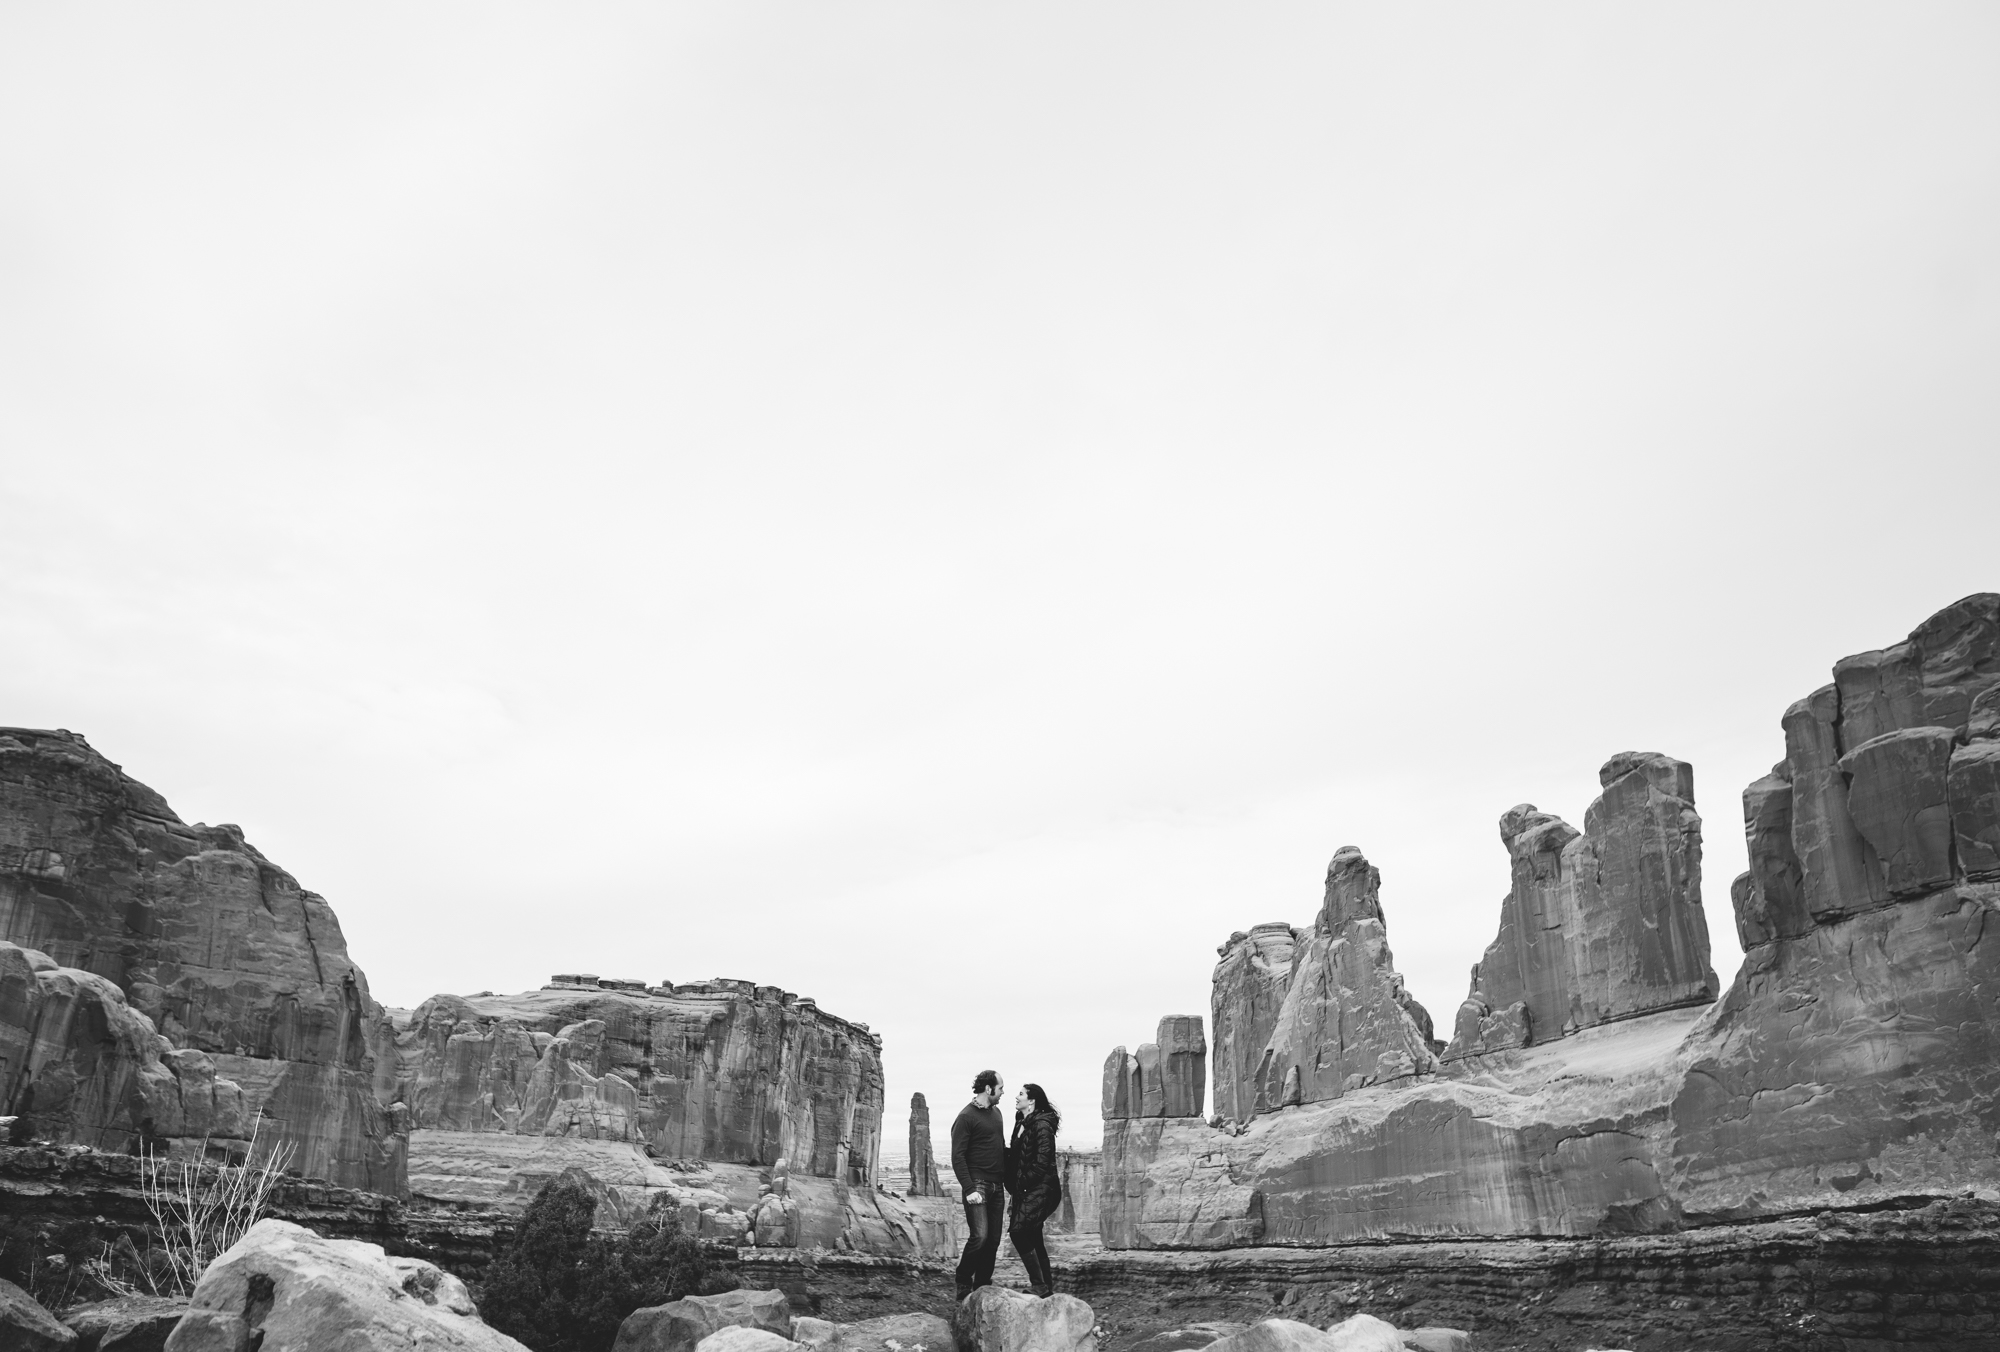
(1601, 924)
(1854, 1061)
(239, 976)
(719, 1070)
(699, 1089)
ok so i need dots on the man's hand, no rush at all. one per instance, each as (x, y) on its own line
(975, 1197)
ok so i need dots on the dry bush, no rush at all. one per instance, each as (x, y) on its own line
(200, 1210)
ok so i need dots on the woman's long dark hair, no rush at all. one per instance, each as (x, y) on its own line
(1042, 1104)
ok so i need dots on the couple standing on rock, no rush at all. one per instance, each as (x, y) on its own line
(986, 1162)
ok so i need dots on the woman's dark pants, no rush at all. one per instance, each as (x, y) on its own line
(1025, 1229)
(982, 1244)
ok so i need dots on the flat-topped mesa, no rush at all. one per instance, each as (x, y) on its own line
(723, 1070)
(1248, 990)
(1346, 1020)
(1600, 925)
(924, 1181)
(1168, 1077)
(210, 963)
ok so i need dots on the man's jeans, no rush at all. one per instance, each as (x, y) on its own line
(983, 1223)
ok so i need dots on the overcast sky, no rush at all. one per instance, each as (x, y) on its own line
(954, 509)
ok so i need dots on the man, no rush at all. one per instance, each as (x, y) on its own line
(979, 1158)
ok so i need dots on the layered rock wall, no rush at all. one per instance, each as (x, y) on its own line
(1601, 924)
(1853, 1062)
(719, 1070)
(216, 949)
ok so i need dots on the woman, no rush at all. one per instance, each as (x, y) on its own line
(1034, 1182)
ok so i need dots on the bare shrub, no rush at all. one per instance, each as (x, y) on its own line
(201, 1209)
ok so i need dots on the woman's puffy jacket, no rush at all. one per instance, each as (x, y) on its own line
(1033, 1177)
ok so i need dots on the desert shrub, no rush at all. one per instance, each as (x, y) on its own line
(558, 1287)
(200, 1210)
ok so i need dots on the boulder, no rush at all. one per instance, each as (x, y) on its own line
(1601, 924)
(810, 1332)
(126, 1324)
(1434, 1339)
(1277, 1335)
(1345, 1021)
(1247, 990)
(26, 1327)
(680, 1325)
(1365, 1333)
(994, 1319)
(223, 953)
(282, 1286)
(1189, 1338)
(739, 1339)
(908, 1332)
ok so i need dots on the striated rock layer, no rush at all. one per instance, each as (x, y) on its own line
(240, 977)
(718, 1070)
(1854, 1061)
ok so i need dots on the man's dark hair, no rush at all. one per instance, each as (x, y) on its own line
(985, 1080)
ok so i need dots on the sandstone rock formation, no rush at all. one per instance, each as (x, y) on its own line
(82, 1065)
(681, 1325)
(1346, 1019)
(1854, 1061)
(26, 1327)
(282, 1286)
(994, 1319)
(905, 1331)
(125, 1324)
(221, 951)
(1599, 926)
(716, 1070)
(1167, 1078)
(1081, 1171)
(1302, 1017)
(1249, 988)
(923, 1162)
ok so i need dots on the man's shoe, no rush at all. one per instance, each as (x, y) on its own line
(963, 1292)
(1044, 1291)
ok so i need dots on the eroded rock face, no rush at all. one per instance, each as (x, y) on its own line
(1248, 990)
(923, 1162)
(1600, 925)
(719, 1070)
(1855, 1060)
(1346, 1020)
(221, 951)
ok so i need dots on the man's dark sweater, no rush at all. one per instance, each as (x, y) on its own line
(978, 1147)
